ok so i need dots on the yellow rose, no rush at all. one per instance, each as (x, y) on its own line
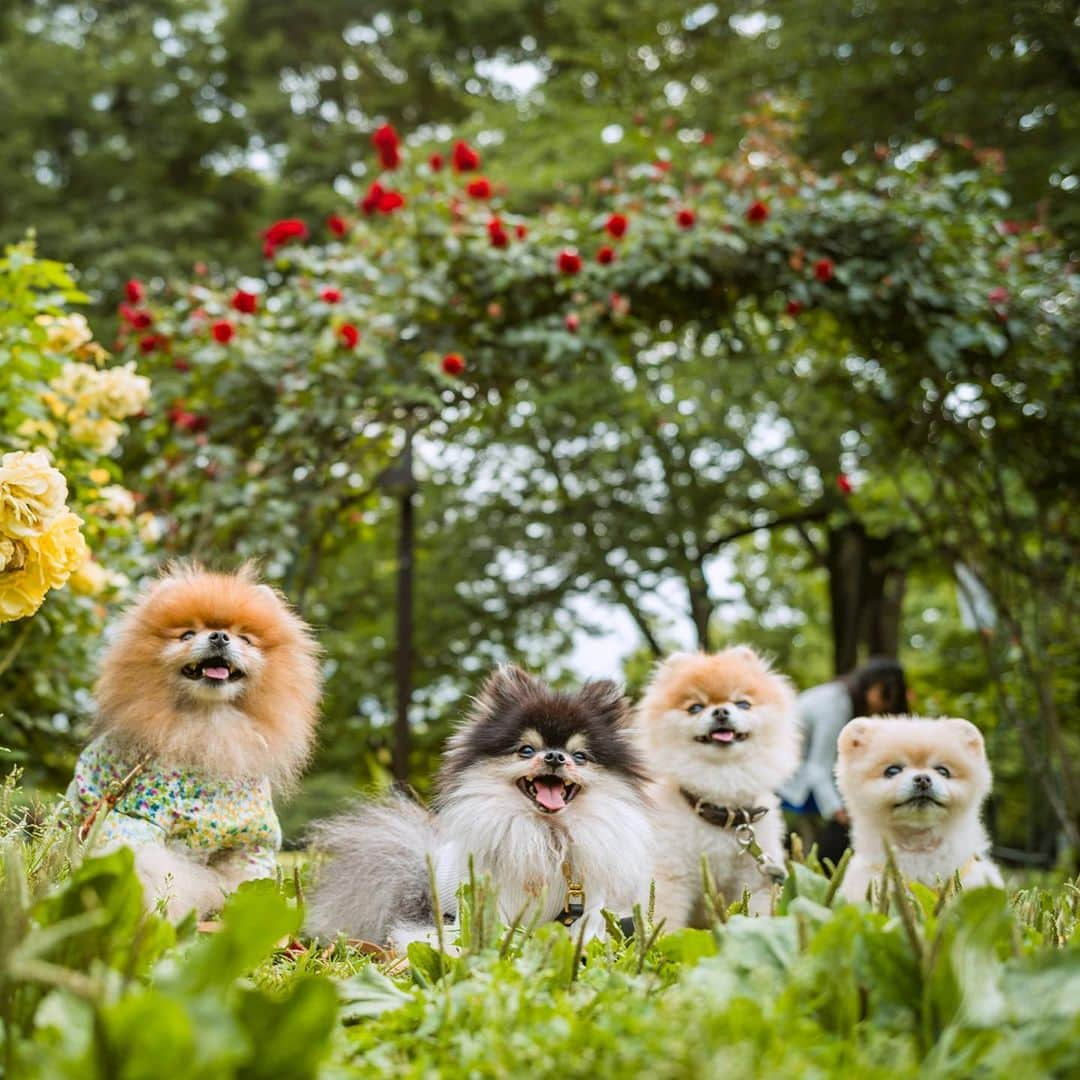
(61, 550)
(32, 493)
(121, 392)
(65, 333)
(91, 579)
(21, 592)
(116, 501)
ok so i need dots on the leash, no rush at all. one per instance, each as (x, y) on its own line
(741, 819)
(111, 797)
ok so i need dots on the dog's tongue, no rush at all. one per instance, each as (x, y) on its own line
(215, 672)
(723, 735)
(550, 793)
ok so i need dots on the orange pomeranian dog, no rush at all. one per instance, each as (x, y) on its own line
(209, 692)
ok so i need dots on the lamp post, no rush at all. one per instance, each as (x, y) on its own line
(399, 481)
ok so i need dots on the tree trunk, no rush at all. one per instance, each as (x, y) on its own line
(866, 591)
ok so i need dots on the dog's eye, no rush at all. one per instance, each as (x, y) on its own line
(944, 771)
(892, 770)
(526, 751)
(187, 635)
(742, 703)
(580, 757)
(245, 639)
(695, 708)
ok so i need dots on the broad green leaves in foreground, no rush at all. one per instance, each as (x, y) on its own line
(979, 983)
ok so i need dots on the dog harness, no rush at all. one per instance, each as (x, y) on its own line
(145, 801)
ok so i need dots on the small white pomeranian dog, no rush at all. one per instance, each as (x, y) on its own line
(720, 734)
(542, 790)
(917, 785)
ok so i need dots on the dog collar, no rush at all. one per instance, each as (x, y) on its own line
(723, 817)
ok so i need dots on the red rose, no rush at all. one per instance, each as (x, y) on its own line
(245, 302)
(349, 335)
(453, 364)
(662, 166)
(793, 308)
(181, 365)
(381, 199)
(391, 201)
(757, 212)
(337, 225)
(223, 331)
(330, 295)
(480, 188)
(150, 343)
(497, 234)
(605, 255)
(708, 139)
(521, 232)
(385, 140)
(686, 218)
(572, 322)
(843, 482)
(193, 422)
(823, 269)
(284, 232)
(464, 158)
(188, 421)
(617, 225)
(370, 202)
(998, 295)
(134, 291)
(140, 320)
(435, 162)
(569, 261)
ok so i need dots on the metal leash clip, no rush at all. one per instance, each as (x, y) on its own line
(745, 838)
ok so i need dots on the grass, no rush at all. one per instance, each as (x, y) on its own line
(926, 983)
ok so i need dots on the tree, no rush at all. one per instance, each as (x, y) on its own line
(755, 334)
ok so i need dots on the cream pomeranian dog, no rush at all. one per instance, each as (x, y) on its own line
(208, 691)
(541, 789)
(719, 733)
(918, 786)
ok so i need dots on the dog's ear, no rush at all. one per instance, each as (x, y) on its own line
(745, 652)
(605, 700)
(508, 683)
(969, 733)
(855, 736)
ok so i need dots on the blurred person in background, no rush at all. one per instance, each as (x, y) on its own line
(877, 688)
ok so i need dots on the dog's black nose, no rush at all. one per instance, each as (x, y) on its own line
(219, 637)
(922, 781)
(555, 757)
(721, 713)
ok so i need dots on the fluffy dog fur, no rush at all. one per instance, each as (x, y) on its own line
(722, 727)
(533, 780)
(262, 725)
(257, 723)
(917, 785)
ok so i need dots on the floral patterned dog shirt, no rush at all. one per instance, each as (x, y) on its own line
(212, 818)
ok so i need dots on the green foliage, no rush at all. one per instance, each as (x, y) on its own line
(950, 985)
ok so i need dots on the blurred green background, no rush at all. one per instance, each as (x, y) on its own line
(156, 141)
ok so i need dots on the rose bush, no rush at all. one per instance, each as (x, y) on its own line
(689, 295)
(69, 529)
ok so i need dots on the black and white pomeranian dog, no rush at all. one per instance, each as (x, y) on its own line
(542, 790)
